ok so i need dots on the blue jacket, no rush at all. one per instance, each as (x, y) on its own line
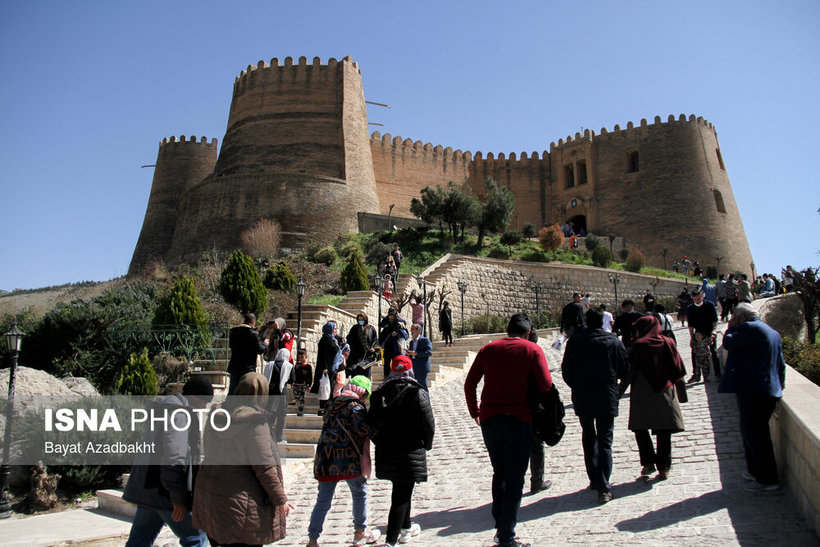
(424, 349)
(755, 364)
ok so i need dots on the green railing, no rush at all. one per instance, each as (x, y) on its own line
(189, 341)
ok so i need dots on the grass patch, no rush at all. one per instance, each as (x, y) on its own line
(326, 299)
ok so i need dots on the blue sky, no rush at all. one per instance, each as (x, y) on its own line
(88, 89)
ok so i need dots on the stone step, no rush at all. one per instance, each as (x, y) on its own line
(110, 501)
(297, 450)
(308, 421)
(302, 436)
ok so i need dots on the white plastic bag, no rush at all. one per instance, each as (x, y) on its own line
(324, 388)
(559, 342)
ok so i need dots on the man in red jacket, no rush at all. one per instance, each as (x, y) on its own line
(508, 366)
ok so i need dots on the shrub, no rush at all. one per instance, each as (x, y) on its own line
(241, 286)
(551, 237)
(803, 357)
(711, 271)
(623, 253)
(535, 256)
(601, 257)
(591, 242)
(377, 253)
(137, 377)
(76, 479)
(169, 369)
(511, 238)
(349, 248)
(486, 324)
(280, 278)
(496, 251)
(325, 255)
(262, 239)
(181, 306)
(528, 230)
(635, 260)
(354, 276)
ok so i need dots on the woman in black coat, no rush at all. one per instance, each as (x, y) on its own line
(364, 346)
(401, 415)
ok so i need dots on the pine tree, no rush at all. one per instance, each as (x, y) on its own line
(241, 286)
(354, 276)
(280, 278)
(137, 377)
(181, 306)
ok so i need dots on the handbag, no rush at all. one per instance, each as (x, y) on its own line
(680, 388)
(548, 417)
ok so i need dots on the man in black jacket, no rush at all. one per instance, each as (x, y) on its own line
(245, 346)
(161, 485)
(572, 316)
(623, 323)
(594, 362)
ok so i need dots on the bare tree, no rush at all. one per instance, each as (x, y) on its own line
(262, 239)
(807, 286)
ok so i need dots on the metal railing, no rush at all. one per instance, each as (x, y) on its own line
(190, 341)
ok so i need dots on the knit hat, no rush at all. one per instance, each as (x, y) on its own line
(363, 382)
(198, 385)
(401, 363)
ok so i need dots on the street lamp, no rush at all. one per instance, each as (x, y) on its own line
(300, 292)
(615, 280)
(423, 285)
(14, 339)
(379, 282)
(462, 288)
(537, 286)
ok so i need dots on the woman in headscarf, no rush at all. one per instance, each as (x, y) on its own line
(239, 498)
(343, 454)
(401, 415)
(364, 344)
(655, 367)
(278, 374)
(328, 359)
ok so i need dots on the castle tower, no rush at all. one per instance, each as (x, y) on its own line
(296, 150)
(180, 164)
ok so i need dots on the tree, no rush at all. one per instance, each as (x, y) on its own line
(807, 287)
(354, 276)
(262, 239)
(528, 230)
(430, 208)
(137, 377)
(241, 286)
(495, 212)
(460, 210)
(591, 242)
(601, 257)
(511, 238)
(181, 306)
(635, 260)
(280, 278)
(550, 237)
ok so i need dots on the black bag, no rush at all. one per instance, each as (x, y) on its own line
(548, 417)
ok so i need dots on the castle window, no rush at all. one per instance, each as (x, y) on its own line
(721, 207)
(720, 159)
(569, 176)
(632, 161)
(582, 172)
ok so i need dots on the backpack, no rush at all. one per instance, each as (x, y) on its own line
(548, 416)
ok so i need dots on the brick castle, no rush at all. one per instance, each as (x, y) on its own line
(297, 150)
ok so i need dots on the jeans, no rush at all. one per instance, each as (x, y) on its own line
(149, 521)
(508, 441)
(662, 459)
(755, 412)
(358, 489)
(596, 437)
(399, 516)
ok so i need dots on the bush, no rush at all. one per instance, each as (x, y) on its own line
(511, 238)
(241, 286)
(803, 357)
(377, 253)
(262, 239)
(711, 271)
(137, 377)
(349, 248)
(181, 306)
(635, 261)
(601, 257)
(325, 255)
(496, 251)
(592, 242)
(535, 256)
(623, 253)
(76, 479)
(551, 237)
(354, 276)
(528, 230)
(485, 324)
(169, 369)
(280, 278)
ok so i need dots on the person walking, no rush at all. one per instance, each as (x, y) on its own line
(572, 316)
(445, 323)
(343, 454)
(508, 366)
(419, 349)
(403, 424)
(623, 323)
(392, 338)
(364, 346)
(245, 344)
(328, 360)
(702, 317)
(239, 498)
(594, 362)
(163, 494)
(655, 368)
(756, 372)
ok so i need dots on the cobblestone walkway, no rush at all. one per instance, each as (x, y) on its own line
(700, 504)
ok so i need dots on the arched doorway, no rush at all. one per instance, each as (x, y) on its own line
(578, 223)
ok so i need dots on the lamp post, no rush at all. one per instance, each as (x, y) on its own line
(462, 288)
(379, 282)
(423, 285)
(615, 280)
(300, 292)
(537, 286)
(14, 339)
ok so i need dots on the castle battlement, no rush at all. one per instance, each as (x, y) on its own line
(631, 129)
(190, 140)
(278, 70)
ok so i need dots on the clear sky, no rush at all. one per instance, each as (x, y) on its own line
(88, 89)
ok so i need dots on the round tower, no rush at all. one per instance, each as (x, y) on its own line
(296, 150)
(181, 163)
(664, 186)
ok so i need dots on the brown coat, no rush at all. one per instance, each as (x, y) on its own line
(240, 503)
(650, 409)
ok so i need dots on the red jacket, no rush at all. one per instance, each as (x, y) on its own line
(508, 366)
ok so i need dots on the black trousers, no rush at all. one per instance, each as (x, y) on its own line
(755, 412)
(662, 458)
(399, 516)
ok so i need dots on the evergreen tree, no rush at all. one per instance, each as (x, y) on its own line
(430, 208)
(241, 286)
(181, 306)
(495, 212)
(601, 257)
(354, 276)
(280, 278)
(137, 377)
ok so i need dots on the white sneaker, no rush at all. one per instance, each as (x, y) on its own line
(407, 534)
